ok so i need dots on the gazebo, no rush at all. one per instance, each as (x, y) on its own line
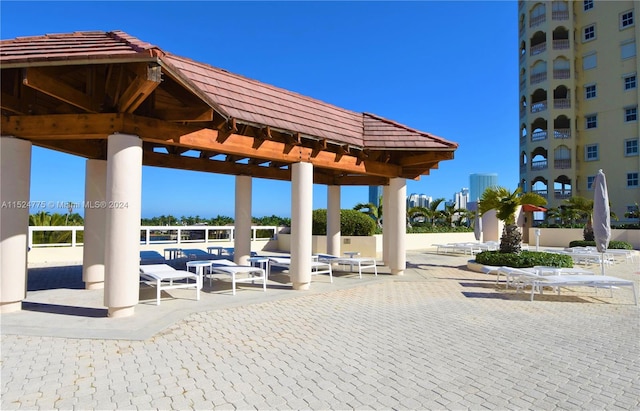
(122, 103)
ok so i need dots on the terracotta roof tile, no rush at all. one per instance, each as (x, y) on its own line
(232, 94)
(74, 46)
(383, 133)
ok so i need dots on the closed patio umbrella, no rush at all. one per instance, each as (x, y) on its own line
(601, 215)
(477, 227)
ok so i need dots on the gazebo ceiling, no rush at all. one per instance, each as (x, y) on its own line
(69, 92)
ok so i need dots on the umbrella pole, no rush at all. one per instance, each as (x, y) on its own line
(602, 264)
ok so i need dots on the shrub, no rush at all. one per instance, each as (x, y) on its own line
(352, 222)
(524, 259)
(613, 245)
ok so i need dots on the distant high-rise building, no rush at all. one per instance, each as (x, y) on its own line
(418, 200)
(461, 198)
(375, 192)
(578, 75)
(478, 182)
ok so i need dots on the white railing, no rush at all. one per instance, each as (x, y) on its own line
(72, 236)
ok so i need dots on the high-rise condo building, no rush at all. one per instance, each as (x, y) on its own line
(579, 100)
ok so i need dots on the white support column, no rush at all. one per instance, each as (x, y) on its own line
(242, 240)
(333, 220)
(386, 232)
(15, 180)
(95, 220)
(122, 242)
(398, 217)
(301, 224)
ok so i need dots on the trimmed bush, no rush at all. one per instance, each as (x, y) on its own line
(613, 245)
(352, 222)
(524, 259)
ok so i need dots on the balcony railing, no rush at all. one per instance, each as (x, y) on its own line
(537, 49)
(562, 133)
(539, 165)
(560, 15)
(562, 163)
(523, 168)
(561, 103)
(562, 195)
(538, 78)
(72, 236)
(523, 84)
(523, 111)
(561, 44)
(561, 73)
(538, 107)
(542, 193)
(534, 21)
(539, 135)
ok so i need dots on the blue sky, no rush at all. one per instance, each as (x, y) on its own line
(448, 68)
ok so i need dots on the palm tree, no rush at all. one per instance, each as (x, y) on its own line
(506, 203)
(449, 212)
(371, 210)
(432, 211)
(584, 208)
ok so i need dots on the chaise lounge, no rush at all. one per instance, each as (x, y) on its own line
(165, 277)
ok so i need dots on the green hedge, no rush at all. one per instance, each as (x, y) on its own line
(524, 259)
(613, 245)
(352, 222)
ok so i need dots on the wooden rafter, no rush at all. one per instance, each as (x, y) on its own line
(41, 79)
(148, 77)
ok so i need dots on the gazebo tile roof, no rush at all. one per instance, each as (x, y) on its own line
(236, 96)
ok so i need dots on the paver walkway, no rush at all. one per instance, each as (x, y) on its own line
(440, 337)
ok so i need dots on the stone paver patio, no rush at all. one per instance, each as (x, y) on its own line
(439, 337)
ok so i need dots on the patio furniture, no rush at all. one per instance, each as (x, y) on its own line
(237, 273)
(165, 277)
(361, 262)
(527, 277)
(317, 267)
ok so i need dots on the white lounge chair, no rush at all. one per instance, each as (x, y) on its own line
(238, 272)
(165, 277)
(527, 277)
(317, 267)
(363, 263)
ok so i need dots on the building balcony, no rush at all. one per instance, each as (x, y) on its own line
(561, 44)
(523, 84)
(523, 168)
(537, 49)
(539, 135)
(539, 165)
(562, 163)
(538, 107)
(535, 21)
(562, 195)
(560, 15)
(538, 78)
(561, 73)
(561, 103)
(542, 193)
(562, 133)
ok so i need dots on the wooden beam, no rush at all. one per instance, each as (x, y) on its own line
(148, 77)
(272, 150)
(213, 166)
(426, 158)
(93, 149)
(39, 79)
(186, 114)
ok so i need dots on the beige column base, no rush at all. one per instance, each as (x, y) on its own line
(397, 272)
(10, 307)
(120, 312)
(98, 285)
(301, 286)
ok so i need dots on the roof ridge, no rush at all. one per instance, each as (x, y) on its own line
(135, 43)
